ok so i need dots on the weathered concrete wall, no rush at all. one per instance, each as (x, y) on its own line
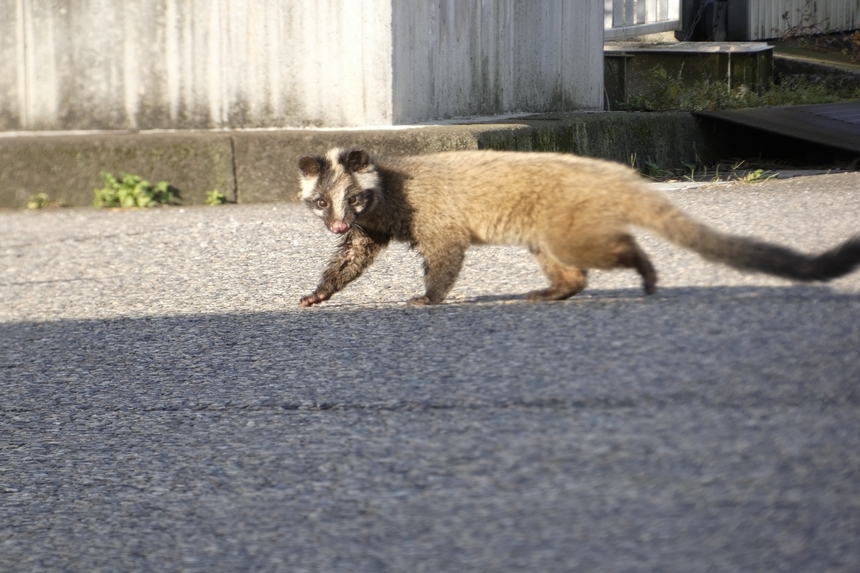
(144, 64)
(139, 64)
(486, 58)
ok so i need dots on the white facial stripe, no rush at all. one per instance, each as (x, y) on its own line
(367, 180)
(332, 158)
(332, 154)
(337, 192)
(308, 186)
(338, 199)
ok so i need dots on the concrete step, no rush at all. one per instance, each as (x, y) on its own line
(258, 166)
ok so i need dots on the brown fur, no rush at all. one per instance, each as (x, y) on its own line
(571, 212)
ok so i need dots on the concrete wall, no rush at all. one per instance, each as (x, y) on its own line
(138, 64)
(459, 57)
(144, 64)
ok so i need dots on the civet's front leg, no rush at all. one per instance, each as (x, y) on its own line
(354, 254)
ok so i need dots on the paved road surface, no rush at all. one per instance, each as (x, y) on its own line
(165, 405)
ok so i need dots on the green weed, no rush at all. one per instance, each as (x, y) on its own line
(38, 201)
(132, 191)
(215, 197)
(654, 171)
(734, 170)
(755, 176)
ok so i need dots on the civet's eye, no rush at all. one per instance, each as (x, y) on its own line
(353, 200)
(322, 203)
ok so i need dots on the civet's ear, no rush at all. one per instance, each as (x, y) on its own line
(310, 165)
(356, 160)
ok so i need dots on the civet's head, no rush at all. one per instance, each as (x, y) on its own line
(339, 187)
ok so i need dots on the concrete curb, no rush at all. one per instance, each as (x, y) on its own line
(259, 166)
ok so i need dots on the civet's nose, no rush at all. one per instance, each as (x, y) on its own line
(339, 227)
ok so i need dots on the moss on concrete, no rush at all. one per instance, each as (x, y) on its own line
(668, 139)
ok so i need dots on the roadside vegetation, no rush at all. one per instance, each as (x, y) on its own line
(667, 91)
(215, 197)
(672, 91)
(740, 170)
(39, 201)
(132, 191)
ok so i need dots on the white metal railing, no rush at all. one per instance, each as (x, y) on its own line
(625, 18)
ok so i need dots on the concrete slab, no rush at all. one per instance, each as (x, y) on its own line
(259, 166)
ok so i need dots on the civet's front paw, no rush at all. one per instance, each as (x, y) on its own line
(422, 301)
(314, 299)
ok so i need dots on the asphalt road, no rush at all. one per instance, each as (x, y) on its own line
(165, 405)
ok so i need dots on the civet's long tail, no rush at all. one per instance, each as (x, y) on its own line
(744, 253)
